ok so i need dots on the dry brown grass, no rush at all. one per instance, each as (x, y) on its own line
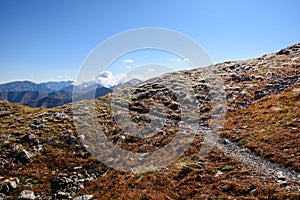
(270, 127)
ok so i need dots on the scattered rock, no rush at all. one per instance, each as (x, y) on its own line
(26, 195)
(5, 189)
(4, 113)
(3, 196)
(280, 175)
(9, 185)
(245, 82)
(71, 184)
(282, 183)
(62, 195)
(77, 168)
(254, 192)
(122, 137)
(219, 173)
(72, 139)
(283, 52)
(84, 197)
(81, 137)
(25, 155)
(36, 122)
(226, 141)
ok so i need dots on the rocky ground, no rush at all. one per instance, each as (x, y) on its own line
(45, 153)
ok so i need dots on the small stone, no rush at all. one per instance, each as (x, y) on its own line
(2, 196)
(282, 183)
(8, 185)
(72, 139)
(15, 179)
(283, 52)
(4, 188)
(122, 137)
(33, 127)
(81, 186)
(25, 155)
(26, 195)
(77, 168)
(12, 184)
(36, 122)
(226, 141)
(280, 175)
(36, 141)
(219, 173)
(63, 195)
(4, 113)
(84, 197)
(31, 136)
(254, 192)
(81, 137)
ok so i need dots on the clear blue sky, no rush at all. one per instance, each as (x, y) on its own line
(49, 40)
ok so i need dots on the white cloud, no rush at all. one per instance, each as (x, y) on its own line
(107, 79)
(151, 70)
(186, 60)
(128, 67)
(62, 77)
(128, 61)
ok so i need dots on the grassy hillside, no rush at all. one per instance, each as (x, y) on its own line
(257, 155)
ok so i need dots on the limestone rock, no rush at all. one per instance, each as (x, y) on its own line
(26, 195)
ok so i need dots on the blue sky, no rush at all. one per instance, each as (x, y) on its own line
(49, 40)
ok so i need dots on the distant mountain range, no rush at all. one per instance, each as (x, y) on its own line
(23, 86)
(52, 94)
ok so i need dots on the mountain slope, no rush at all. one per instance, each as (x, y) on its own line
(256, 156)
(22, 97)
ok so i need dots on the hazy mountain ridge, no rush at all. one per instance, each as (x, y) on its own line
(24, 86)
(57, 85)
(52, 94)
